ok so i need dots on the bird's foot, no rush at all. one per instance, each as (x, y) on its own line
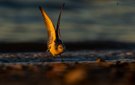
(62, 59)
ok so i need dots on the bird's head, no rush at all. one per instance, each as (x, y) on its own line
(59, 46)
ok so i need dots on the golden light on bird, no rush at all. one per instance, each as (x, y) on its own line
(55, 44)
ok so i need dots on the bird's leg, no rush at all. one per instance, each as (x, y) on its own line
(62, 60)
(54, 58)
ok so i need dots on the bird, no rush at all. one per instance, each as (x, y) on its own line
(55, 45)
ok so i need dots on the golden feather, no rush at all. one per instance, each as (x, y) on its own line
(49, 25)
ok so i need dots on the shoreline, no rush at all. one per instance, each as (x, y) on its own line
(86, 45)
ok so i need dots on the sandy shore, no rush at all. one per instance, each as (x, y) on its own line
(98, 73)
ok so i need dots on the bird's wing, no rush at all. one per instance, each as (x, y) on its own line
(49, 25)
(58, 22)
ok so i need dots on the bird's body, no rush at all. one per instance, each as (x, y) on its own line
(56, 50)
(55, 45)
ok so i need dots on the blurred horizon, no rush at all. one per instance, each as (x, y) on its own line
(82, 20)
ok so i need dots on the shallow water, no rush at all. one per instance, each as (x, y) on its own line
(69, 56)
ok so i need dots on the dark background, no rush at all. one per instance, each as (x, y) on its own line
(89, 24)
